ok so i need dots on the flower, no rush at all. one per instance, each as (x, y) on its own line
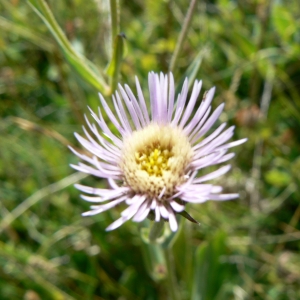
(153, 164)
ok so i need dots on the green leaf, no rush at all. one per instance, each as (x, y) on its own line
(84, 68)
(210, 272)
(188, 217)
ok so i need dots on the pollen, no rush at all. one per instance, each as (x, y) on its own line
(155, 160)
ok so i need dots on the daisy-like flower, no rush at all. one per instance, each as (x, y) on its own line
(152, 165)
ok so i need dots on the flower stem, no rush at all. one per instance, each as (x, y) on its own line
(171, 282)
(156, 231)
(115, 20)
(171, 276)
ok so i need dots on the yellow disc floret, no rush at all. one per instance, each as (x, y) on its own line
(156, 158)
(153, 161)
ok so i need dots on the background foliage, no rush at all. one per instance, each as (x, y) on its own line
(243, 249)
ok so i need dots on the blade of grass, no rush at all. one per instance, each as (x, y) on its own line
(183, 35)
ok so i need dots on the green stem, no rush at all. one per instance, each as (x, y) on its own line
(156, 231)
(183, 35)
(115, 20)
(116, 43)
(171, 276)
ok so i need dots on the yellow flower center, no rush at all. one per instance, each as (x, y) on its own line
(155, 159)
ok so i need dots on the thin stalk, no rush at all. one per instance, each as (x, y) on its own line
(116, 43)
(115, 20)
(257, 158)
(263, 17)
(172, 284)
(183, 35)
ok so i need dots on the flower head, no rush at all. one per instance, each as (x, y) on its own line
(153, 164)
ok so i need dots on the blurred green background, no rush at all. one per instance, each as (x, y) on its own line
(243, 249)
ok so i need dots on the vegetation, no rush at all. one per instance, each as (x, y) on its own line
(56, 56)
